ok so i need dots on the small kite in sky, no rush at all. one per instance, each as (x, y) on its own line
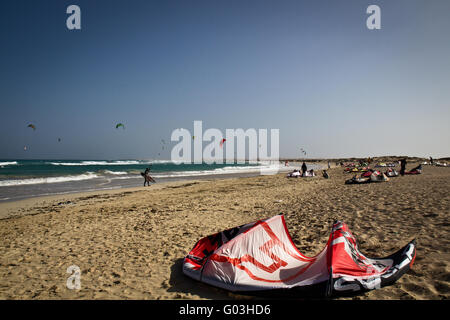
(31, 126)
(120, 125)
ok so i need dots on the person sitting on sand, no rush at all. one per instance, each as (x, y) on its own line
(325, 174)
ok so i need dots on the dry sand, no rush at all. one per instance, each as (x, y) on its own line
(130, 243)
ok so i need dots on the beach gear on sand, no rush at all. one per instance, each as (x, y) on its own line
(357, 169)
(416, 170)
(356, 180)
(367, 174)
(260, 257)
(382, 164)
(378, 176)
(391, 173)
(309, 173)
(294, 174)
(441, 164)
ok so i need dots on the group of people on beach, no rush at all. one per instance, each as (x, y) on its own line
(304, 172)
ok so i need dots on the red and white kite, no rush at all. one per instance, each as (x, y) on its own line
(261, 256)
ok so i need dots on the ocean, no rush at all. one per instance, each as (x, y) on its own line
(20, 179)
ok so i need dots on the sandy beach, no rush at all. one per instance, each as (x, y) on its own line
(130, 243)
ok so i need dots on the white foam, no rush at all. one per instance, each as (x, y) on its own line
(17, 182)
(115, 172)
(98, 163)
(225, 170)
(8, 163)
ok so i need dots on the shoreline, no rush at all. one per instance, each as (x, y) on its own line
(93, 181)
(8, 208)
(160, 181)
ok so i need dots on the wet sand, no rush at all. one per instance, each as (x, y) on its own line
(130, 243)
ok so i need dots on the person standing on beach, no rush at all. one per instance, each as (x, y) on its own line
(146, 180)
(147, 177)
(304, 168)
(403, 166)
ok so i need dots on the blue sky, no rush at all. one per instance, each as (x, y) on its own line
(311, 69)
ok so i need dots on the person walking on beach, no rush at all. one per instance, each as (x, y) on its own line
(147, 177)
(304, 168)
(403, 166)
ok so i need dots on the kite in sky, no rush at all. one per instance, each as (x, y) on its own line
(31, 126)
(120, 125)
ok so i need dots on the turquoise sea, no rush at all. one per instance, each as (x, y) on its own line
(21, 179)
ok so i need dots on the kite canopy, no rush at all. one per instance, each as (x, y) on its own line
(391, 173)
(356, 180)
(120, 125)
(416, 170)
(261, 256)
(378, 176)
(31, 126)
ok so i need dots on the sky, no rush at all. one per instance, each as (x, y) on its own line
(311, 69)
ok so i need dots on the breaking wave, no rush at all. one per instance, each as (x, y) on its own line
(17, 182)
